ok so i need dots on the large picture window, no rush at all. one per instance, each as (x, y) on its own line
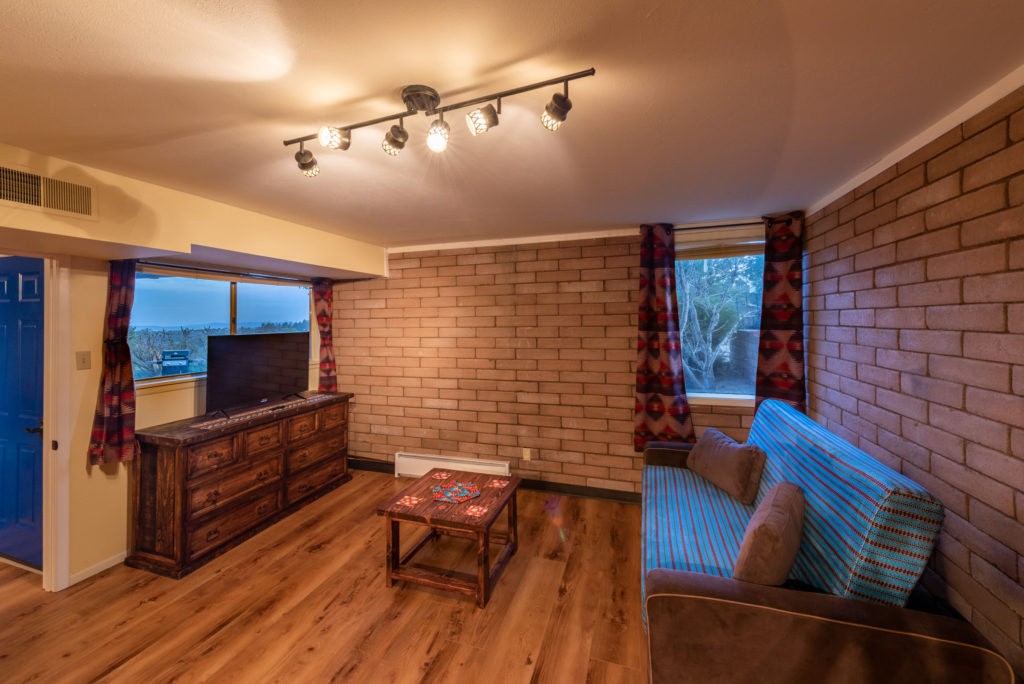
(718, 287)
(173, 315)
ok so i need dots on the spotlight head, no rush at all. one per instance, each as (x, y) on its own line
(482, 120)
(554, 114)
(307, 163)
(437, 136)
(334, 138)
(394, 140)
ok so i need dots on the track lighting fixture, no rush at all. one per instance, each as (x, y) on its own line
(437, 136)
(394, 140)
(334, 138)
(421, 98)
(554, 114)
(307, 162)
(483, 119)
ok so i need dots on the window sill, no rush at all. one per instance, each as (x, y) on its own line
(154, 385)
(709, 399)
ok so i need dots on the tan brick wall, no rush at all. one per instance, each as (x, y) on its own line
(483, 352)
(914, 290)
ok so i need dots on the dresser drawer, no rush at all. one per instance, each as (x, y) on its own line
(218, 492)
(317, 450)
(333, 416)
(301, 427)
(222, 528)
(262, 439)
(211, 456)
(312, 479)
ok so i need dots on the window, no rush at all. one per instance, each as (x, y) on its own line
(173, 315)
(719, 295)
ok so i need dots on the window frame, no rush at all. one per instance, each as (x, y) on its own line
(198, 273)
(719, 240)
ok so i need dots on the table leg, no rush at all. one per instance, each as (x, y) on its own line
(391, 532)
(483, 563)
(513, 533)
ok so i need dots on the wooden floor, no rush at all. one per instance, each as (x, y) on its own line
(305, 601)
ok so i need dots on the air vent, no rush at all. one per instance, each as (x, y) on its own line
(47, 193)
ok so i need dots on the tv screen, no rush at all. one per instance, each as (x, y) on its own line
(246, 370)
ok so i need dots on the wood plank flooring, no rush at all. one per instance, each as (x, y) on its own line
(305, 601)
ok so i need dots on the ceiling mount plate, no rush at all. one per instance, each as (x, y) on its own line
(420, 98)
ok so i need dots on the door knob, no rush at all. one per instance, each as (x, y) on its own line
(36, 430)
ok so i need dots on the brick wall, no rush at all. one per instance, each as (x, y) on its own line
(915, 310)
(483, 352)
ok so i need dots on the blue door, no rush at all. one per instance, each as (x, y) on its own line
(21, 410)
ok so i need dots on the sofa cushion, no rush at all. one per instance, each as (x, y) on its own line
(772, 538)
(734, 467)
(868, 530)
(689, 524)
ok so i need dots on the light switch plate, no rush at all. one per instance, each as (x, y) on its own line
(83, 360)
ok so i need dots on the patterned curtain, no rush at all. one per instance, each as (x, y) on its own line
(323, 299)
(662, 412)
(113, 429)
(780, 358)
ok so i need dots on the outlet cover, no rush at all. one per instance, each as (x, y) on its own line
(527, 455)
(83, 360)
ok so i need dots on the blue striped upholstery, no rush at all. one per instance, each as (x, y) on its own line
(868, 531)
(689, 523)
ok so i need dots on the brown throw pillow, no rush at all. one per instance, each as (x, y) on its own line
(723, 461)
(772, 539)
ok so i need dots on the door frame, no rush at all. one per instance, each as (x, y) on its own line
(56, 422)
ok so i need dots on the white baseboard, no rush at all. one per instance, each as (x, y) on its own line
(416, 465)
(98, 568)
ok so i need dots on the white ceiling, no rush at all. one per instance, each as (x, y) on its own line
(700, 109)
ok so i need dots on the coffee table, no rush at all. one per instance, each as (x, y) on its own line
(471, 519)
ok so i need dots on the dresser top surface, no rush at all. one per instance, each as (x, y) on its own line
(210, 426)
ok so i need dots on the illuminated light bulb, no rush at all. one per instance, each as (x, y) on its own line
(482, 120)
(334, 138)
(394, 140)
(307, 163)
(437, 136)
(554, 114)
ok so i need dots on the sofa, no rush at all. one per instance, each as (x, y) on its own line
(867, 534)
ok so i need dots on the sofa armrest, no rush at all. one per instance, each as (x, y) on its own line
(667, 454)
(720, 629)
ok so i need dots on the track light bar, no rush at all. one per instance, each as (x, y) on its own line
(421, 98)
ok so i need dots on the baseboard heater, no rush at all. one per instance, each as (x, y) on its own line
(415, 465)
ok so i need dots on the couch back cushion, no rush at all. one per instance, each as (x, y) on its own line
(868, 531)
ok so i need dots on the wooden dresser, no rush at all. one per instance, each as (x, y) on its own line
(204, 485)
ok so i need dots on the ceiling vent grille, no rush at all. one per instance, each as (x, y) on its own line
(47, 193)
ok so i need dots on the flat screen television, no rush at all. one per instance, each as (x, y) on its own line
(246, 370)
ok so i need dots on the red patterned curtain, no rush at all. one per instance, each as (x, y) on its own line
(113, 429)
(780, 358)
(662, 412)
(323, 299)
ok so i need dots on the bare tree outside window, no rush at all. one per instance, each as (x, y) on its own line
(719, 313)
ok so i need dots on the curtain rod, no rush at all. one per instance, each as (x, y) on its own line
(221, 271)
(734, 224)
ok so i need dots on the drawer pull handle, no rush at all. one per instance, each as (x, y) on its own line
(264, 440)
(305, 488)
(212, 497)
(212, 534)
(305, 427)
(262, 508)
(262, 475)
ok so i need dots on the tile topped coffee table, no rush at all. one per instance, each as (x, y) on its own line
(471, 519)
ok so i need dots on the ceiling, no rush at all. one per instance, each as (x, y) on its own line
(699, 110)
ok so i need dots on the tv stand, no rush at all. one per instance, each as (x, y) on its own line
(205, 484)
